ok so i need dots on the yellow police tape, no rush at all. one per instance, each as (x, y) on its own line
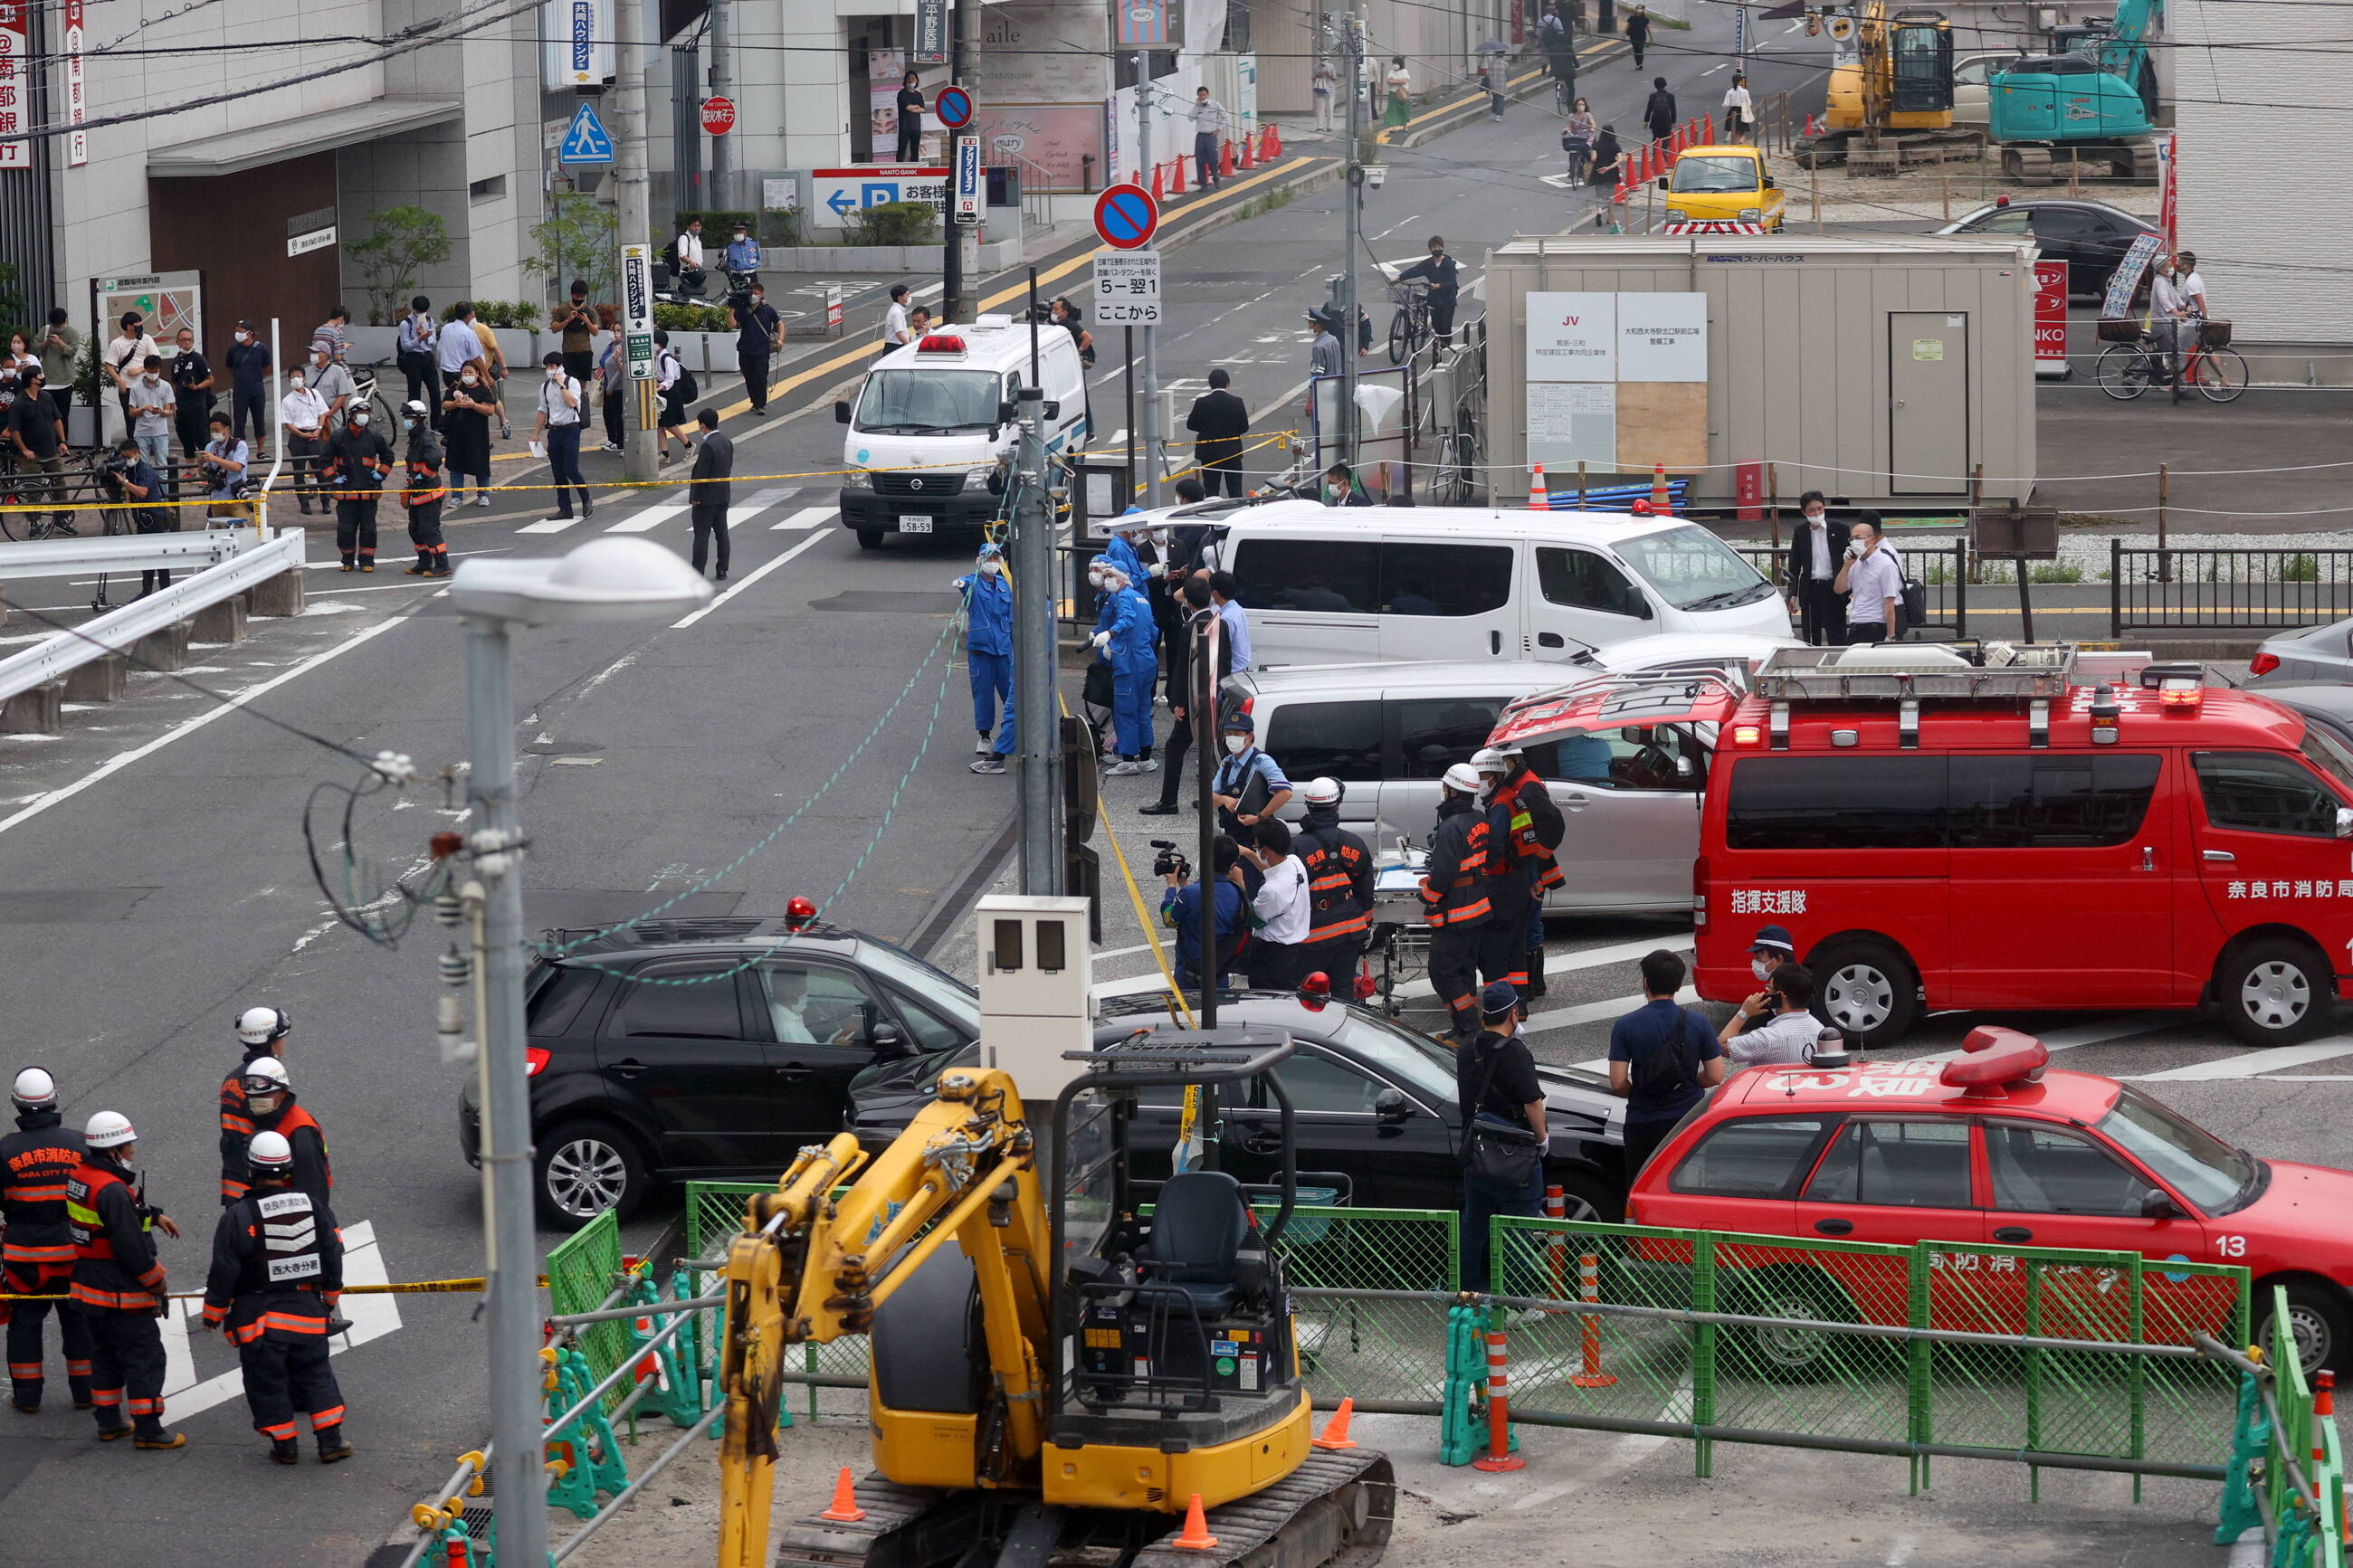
(404, 1288)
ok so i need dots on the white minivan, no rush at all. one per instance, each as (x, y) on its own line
(1336, 585)
(932, 417)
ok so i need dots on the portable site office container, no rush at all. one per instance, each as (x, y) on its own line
(1886, 370)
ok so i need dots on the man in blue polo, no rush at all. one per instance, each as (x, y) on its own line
(1663, 1057)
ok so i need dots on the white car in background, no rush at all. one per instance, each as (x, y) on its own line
(1970, 91)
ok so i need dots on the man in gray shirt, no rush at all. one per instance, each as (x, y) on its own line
(1323, 356)
(1788, 1039)
(151, 402)
(1208, 132)
(709, 493)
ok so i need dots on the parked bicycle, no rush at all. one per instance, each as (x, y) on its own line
(1409, 328)
(2216, 371)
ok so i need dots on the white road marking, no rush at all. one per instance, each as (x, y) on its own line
(653, 517)
(2250, 1064)
(741, 514)
(808, 517)
(749, 579)
(550, 525)
(2096, 1033)
(1711, 70)
(372, 1317)
(1593, 1012)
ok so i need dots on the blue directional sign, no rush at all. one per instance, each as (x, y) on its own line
(584, 140)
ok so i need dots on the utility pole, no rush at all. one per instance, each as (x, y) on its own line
(1037, 716)
(1152, 452)
(723, 85)
(636, 25)
(960, 290)
(1360, 134)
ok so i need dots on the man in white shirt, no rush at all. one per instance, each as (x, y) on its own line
(1816, 551)
(1208, 133)
(303, 413)
(1283, 906)
(895, 331)
(690, 256)
(1788, 1039)
(2176, 304)
(789, 1006)
(1873, 584)
(561, 406)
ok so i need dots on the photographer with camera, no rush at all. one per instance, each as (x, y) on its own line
(127, 480)
(1180, 906)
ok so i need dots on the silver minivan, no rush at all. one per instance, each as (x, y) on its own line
(1389, 732)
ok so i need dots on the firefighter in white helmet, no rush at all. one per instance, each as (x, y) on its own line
(276, 1271)
(261, 1032)
(269, 1101)
(37, 1161)
(1454, 899)
(1339, 887)
(118, 1285)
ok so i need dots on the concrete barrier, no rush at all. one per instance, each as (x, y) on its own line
(278, 596)
(220, 622)
(37, 710)
(100, 680)
(166, 650)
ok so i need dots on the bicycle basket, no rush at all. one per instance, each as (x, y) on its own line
(2214, 334)
(2120, 329)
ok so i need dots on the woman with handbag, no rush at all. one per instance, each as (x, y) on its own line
(1577, 139)
(1503, 1139)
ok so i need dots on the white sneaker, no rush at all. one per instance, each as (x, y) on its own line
(483, 499)
(1128, 765)
(611, 447)
(984, 745)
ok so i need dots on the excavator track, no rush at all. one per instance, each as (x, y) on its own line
(1334, 1511)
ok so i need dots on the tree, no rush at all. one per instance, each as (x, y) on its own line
(401, 242)
(574, 240)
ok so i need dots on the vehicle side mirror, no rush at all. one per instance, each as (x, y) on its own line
(1392, 1108)
(1660, 182)
(1007, 414)
(889, 1041)
(1683, 769)
(2154, 1204)
(841, 412)
(2345, 822)
(1771, 183)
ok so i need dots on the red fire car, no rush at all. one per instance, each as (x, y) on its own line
(1990, 1149)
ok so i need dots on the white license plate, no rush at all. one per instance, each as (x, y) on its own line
(914, 525)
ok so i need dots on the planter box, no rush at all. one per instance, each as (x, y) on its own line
(373, 345)
(995, 256)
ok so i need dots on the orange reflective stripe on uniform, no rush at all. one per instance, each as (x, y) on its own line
(105, 1398)
(285, 1322)
(52, 1192)
(1348, 926)
(235, 1123)
(62, 1253)
(283, 1431)
(111, 1301)
(329, 1417)
(145, 1407)
(1325, 884)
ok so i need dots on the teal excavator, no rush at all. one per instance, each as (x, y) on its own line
(2092, 101)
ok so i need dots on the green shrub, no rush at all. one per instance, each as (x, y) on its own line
(2057, 571)
(2300, 568)
(693, 319)
(894, 223)
(521, 314)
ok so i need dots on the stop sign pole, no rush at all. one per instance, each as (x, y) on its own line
(960, 251)
(722, 86)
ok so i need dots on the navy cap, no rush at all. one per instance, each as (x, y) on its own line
(1499, 1000)
(1241, 723)
(1774, 939)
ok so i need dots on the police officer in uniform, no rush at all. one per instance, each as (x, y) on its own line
(276, 1271)
(1525, 827)
(118, 1285)
(1339, 887)
(270, 1099)
(422, 494)
(37, 1161)
(357, 462)
(261, 1031)
(1455, 900)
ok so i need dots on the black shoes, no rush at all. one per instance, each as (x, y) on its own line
(283, 1451)
(1161, 809)
(333, 1449)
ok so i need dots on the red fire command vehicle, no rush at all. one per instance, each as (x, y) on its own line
(1986, 1151)
(1944, 827)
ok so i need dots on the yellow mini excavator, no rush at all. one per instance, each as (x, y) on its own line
(1890, 97)
(1060, 1365)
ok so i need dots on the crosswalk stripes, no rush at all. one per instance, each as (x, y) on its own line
(741, 514)
(371, 1317)
(676, 504)
(653, 517)
(549, 525)
(808, 517)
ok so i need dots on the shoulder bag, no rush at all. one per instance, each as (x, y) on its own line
(1495, 1151)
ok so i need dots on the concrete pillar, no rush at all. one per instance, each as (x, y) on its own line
(100, 680)
(40, 711)
(278, 596)
(220, 622)
(166, 650)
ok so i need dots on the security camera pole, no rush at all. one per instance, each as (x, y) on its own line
(1150, 444)
(1038, 716)
(1360, 135)
(633, 63)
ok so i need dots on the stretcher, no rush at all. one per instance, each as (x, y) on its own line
(1399, 941)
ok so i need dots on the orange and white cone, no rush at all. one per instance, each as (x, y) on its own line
(845, 1509)
(1336, 1431)
(1195, 1536)
(1661, 501)
(1539, 497)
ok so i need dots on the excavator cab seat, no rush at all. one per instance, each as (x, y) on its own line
(1199, 1225)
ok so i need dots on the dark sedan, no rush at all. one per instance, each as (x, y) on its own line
(709, 1048)
(1376, 1118)
(2091, 237)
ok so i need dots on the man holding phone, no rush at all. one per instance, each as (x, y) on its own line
(1873, 584)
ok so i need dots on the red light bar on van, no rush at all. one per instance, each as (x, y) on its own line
(940, 343)
(1992, 1057)
(2181, 696)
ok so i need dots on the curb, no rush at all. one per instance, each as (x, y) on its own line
(1522, 90)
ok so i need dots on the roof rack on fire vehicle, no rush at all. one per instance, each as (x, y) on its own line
(1908, 674)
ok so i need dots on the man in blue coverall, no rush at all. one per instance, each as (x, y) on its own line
(1126, 645)
(988, 650)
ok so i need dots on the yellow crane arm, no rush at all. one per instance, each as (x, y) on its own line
(819, 1254)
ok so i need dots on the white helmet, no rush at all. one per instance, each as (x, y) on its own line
(1463, 778)
(269, 1151)
(264, 1075)
(261, 1025)
(35, 1091)
(415, 409)
(1323, 792)
(1494, 760)
(110, 1130)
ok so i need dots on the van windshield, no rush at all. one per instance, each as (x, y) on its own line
(1712, 176)
(1694, 570)
(928, 401)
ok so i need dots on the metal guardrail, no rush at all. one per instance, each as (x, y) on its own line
(119, 631)
(123, 553)
(2206, 589)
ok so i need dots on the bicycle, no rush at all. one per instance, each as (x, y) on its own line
(2125, 369)
(1409, 328)
(367, 394)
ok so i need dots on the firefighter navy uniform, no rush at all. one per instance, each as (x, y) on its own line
(277, 1273)
(300, 1129)
(1526, 821)
(1454, 897)
(422, 493)
(37, 1259)
(118, 1288)
(357, 462)
(1339, 896)
(237, 1125)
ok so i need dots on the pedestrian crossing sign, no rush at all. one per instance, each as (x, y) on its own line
(584, 140)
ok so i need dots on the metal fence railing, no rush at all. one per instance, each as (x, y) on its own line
(1943, 570)
(2286, 1477)
(584, 1270)
(2222, 589)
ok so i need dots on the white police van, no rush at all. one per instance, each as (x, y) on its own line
(932, 417)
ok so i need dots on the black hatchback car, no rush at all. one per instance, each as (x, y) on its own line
(2091, 237)
(1375, 1120)
(710, 1048)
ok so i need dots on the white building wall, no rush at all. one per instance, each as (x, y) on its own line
(2261, 198)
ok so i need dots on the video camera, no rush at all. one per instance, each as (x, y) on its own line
(1171, 862)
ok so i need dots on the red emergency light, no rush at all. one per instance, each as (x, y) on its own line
(940, 343)
(1315, 992)
(798, 913)
(1993, 1058)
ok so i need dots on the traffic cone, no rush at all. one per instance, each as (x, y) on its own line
(1273, 147)
(1249, 151)
(1176, 187)
(1660, 501)
(845, 1509)
(1336, 1431)
(1539, 497)
(1157, 194)
(1195, 1536)
(1226, 160)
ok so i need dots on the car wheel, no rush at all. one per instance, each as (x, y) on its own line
(583, 1168)
(1791, 1352)
(2275, 991)
(2316, 1321)
(1587, 1197)
(869, 539)
(1869, 987)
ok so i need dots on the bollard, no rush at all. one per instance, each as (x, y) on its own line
(1556, 1201)
(1588, 1288)
(1499, 1455)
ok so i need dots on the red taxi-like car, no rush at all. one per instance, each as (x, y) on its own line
(1990, 1149)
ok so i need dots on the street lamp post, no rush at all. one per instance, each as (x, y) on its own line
(608, 579)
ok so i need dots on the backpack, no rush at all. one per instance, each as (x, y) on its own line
(684, 388)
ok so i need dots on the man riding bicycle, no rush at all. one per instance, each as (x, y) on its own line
(2176, 301)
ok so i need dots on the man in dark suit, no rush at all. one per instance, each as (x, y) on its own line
(1219, 421)
(1816, 551)
(713, 491)
(1340, 488)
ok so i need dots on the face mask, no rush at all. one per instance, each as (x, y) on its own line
(295, 382)
(993, 568)
(244, 337)
(1759, 968)
(360, 419)
(468, 380)
(1814, 517)
(1236, 744)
